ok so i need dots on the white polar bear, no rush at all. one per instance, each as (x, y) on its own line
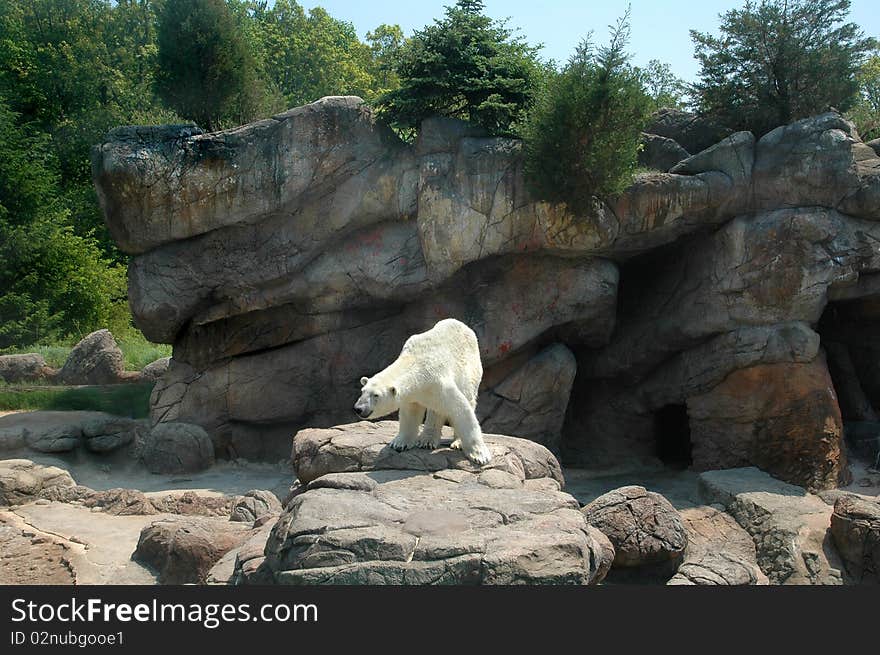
(438, 371)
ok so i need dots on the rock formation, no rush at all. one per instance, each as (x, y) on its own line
(370, 515)
(286, 258)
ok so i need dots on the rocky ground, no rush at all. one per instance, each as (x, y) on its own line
(362, 513)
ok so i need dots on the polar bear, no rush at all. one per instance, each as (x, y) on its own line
(438, 371)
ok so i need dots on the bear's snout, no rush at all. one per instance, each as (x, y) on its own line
(363, 412)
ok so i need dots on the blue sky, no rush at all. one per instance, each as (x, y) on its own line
(659, 27)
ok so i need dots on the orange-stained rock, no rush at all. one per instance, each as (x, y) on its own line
(783, 418)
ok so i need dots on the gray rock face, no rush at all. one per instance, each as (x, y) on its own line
(94, 360)
(788, 525)
(176, 448)
(693, 132)
(287, 258)
(183, 549)
(660, 153)
(855, 527)
(531, 401)
(22, 481)
(643, 526)
(255, 504)
(719, 552)
(23, 368)
(422, 517)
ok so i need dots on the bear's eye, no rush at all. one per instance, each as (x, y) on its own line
(375, 395)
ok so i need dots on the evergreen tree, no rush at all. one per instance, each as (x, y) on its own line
(777, 61)
(204, 66)
(465, 66)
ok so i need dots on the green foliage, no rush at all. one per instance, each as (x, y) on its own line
(132, 400)
(204, 66)
(583, 136)
(53, 281)
(663, 87)
(866, 112)
(777, 61)
(310, 55)
(385, 44)
(465, 66)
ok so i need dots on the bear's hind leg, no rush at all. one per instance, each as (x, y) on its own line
(456, 443)
(410, 416)
(431, 430)
(467, 429)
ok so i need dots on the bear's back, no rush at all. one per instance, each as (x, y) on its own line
(447, 335)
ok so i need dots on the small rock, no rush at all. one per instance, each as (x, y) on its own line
(255, 504)
(96, 359)
(23, 368)
(22, 481)
(855, 528)
(155, 370)
(183, 549)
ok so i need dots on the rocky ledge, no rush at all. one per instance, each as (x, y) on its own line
(366, 514)
(691, 316)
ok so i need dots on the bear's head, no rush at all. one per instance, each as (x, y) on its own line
(377, 399)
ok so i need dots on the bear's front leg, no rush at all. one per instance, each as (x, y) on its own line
(410, 416)
(467, 428)
(432, 430)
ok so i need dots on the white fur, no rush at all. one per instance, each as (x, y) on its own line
(436, 379)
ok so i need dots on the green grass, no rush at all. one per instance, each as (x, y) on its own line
(136, 351)
(132, 400)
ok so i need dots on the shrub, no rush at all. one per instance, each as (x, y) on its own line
(583, 136)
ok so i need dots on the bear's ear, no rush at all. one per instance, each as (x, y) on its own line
(364, 380)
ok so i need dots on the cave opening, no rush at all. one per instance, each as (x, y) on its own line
(850, 336)
(672, 436)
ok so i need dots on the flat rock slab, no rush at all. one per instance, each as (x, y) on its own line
(719, 551)
(788, 525)
(369, 515)
(99, 545)
(30, 558)
(364, 446)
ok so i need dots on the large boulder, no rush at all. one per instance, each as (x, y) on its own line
(23, 481)
(423, 517)
(183, 549)
(363, 446)
(27, 367)
(788, 524)
(644, 528)
(176, 448)
(96, 359)
(855, 527)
